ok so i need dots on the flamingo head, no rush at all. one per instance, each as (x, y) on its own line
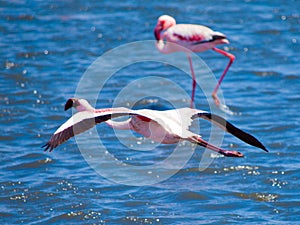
(164, 22)
(79, 104)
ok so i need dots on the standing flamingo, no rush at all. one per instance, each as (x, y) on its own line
(167, 127)
(195, 38)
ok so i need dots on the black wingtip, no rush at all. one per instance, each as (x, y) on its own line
(254, 142)
(47, 147)
(242, 135)
(264, 148)
(69, 104)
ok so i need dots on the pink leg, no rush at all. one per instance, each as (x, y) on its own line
(205, 144)
(194, 81)
(231, 59)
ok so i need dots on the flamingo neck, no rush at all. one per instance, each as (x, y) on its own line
(161, 46)
(102, 110)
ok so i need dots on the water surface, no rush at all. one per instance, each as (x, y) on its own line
(46, 46)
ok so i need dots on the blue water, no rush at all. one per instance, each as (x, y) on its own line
(46, 46)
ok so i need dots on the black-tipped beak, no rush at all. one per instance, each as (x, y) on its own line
(157, 31)
(218, 37)
(69, 104)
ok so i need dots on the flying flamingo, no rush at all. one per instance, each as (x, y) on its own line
(167, 127)
(191, 37)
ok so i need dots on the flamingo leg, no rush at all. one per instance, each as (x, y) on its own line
(231, 59)
(194, 81)
(203, 143)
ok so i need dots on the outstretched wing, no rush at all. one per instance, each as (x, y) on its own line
(230, 128)
(80, 122)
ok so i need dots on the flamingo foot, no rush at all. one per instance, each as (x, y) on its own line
(221, 106)
(216, 99)
(227, 110)
(232, 154)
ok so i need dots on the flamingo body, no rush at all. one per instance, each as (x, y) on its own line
(195, 38)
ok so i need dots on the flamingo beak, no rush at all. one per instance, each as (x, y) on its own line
(70, 103)
(157, 31)
(221, 38)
